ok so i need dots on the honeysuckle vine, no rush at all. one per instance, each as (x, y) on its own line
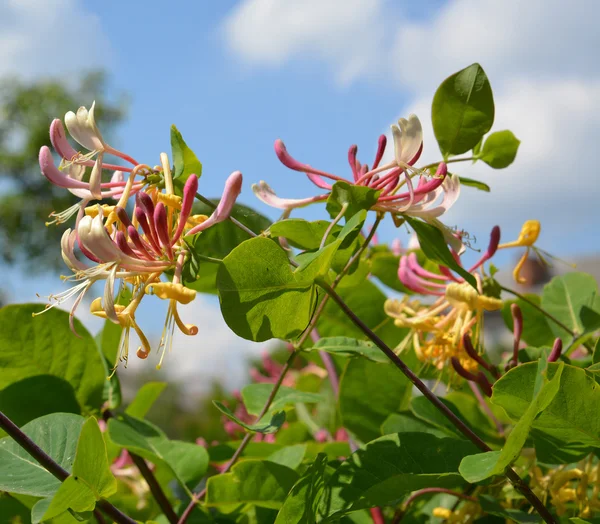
(333, 421)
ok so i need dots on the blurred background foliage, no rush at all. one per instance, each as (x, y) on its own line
(26, 197)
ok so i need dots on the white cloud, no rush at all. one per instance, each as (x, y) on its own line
(41, 38)
(345, 34)
(538, 54)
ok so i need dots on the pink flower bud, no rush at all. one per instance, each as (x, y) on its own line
(382, 143)
(556, 351)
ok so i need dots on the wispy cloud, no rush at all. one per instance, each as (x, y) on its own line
(40, 38)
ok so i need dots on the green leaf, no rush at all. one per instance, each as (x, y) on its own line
(261, 298)
(536, 331)
(407, 423)
(255, 397)
(257, 482)
(568, 427)
(145, 398)
(185, 161)
(73, 494)
(34, 397)
(491, 506)
(300, 233)
(350, 347)
(366, 300)
(289, 456)
(57, 435)
(300, 505)
(273, 425)
(476, 468)
(386, 469)
(357, 198)
(44, 345)
(565, 296)
(187, 462)
(369, 393)
(12, 511)
(434, 246)
(217, 242)
(462, 110)
(596, 354)
(500, 149)
(477, 184)
(91, 479)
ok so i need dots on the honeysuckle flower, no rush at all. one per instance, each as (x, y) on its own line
(527, 238)
(388, 179)
(135, 250)
(438, 329)
(70, 172)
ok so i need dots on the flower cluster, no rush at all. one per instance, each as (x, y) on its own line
(129, 251)
(387, 179)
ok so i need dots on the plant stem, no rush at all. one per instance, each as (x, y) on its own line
(54, 468)
(540, 309)
(427, 393)
(548, 316)
(450, 161)
(155, 488)
(234, 221)
(146, 472)
(247, 438)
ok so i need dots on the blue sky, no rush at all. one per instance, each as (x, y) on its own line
(325, 74)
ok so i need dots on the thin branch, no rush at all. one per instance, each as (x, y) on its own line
(247, 438)
(155, 488)
(54, 468)
(427, 393)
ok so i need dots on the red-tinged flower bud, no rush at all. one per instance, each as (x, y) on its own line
(123, 216)
(556, 351)
(442, 170)
(462, 371)
(352, 152)
(144, 201)
(123, 245)
(189, 193)
(285, 158)
(470, 350)
(484, 383)
(382, 143)
(160, 224)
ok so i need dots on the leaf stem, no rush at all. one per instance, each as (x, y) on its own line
(233, 220)
(540, 309)
(427, 393)
(54, 468)
(450, 161)
(339, 216)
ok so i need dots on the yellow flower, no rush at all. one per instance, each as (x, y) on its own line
(528, 236)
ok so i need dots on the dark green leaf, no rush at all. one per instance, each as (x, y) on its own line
(255, 397)
(257, 482)
(145, 398)
(462, 110)
(273, 425)
(350, 347)
(369, 393)
(44, 345)
(186, 461)
(37, 396)
(491, 506)
(356, 198)
(57, 435)
(386, 469)
(185, 161)
(366, 300)
(477, 184)
(301, 503)
(476, 468)
(500, 149)
(407, 423)
(434, 246)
